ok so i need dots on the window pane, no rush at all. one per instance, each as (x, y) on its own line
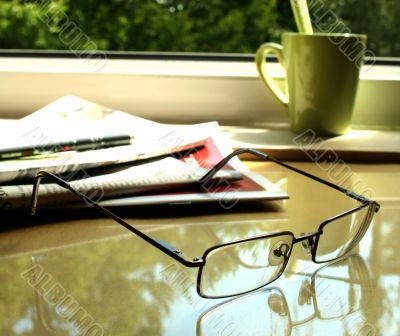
(186, 25)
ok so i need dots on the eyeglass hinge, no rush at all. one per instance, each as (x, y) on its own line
(169, 247)
(356, 196)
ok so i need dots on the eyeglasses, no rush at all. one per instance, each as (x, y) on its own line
(245, 265)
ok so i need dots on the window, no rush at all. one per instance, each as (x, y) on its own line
(180, 60)
(218, 26)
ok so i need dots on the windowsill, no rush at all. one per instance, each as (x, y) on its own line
(367, 146)
(175, 68)
(176, 91)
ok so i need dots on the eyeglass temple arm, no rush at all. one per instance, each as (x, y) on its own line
(265, 156)
(158, 243)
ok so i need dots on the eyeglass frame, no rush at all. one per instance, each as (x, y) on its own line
(200, 262)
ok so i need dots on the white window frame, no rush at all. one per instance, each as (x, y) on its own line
(180, 88)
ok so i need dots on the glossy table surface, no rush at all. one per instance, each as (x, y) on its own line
(75, 273)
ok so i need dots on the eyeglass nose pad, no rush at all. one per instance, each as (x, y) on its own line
(277, 254)
(277, 304)
(307, 244)
(305, 293)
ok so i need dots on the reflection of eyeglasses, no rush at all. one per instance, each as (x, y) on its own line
(264, 257)
(335, 291)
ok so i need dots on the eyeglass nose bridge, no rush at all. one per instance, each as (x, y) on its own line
(307, 240)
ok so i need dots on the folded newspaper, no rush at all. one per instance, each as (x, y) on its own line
(177, 156)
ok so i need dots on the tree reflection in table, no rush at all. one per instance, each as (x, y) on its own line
(105, 282)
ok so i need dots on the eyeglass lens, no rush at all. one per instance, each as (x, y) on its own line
(244, 266)
(341, 235)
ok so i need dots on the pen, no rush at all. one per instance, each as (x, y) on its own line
(81, 144)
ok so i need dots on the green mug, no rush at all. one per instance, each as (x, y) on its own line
(322, 75)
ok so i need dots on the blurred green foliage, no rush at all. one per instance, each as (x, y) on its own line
(182, 25)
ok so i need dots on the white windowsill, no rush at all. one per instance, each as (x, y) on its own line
(166, 68)
(179, 91)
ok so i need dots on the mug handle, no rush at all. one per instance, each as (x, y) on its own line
(262, 52)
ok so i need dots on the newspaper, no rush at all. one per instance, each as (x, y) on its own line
(168, 173)
(118, 176)
(71, 117)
